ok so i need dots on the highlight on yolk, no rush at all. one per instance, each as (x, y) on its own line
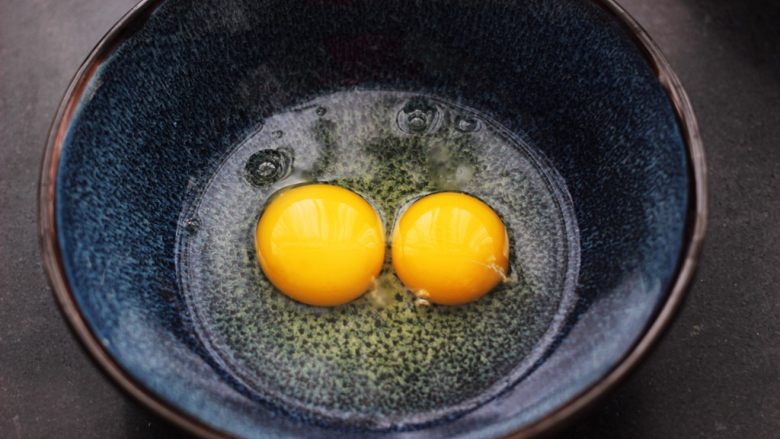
(320, 244)
(450, 248)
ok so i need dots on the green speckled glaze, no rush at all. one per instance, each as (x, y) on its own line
(379, 361)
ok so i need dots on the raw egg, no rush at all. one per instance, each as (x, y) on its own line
(320, 244)
(450, 248)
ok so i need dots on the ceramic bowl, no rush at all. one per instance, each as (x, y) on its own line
(150, 160)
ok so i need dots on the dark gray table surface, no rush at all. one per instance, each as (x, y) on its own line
(716, 374)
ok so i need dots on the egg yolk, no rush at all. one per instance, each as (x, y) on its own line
(450, 248)
(320, 244)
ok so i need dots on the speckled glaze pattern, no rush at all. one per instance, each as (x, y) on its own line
(194, 80)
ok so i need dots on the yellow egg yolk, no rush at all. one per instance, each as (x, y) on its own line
(320, 244)
(450, 248)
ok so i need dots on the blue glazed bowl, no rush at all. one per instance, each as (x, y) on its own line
(178, 89)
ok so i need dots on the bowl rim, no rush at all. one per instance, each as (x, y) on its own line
(695, 226)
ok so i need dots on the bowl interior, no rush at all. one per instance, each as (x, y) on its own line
(193, 81)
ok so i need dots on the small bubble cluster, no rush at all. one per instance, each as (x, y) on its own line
(268, 166)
